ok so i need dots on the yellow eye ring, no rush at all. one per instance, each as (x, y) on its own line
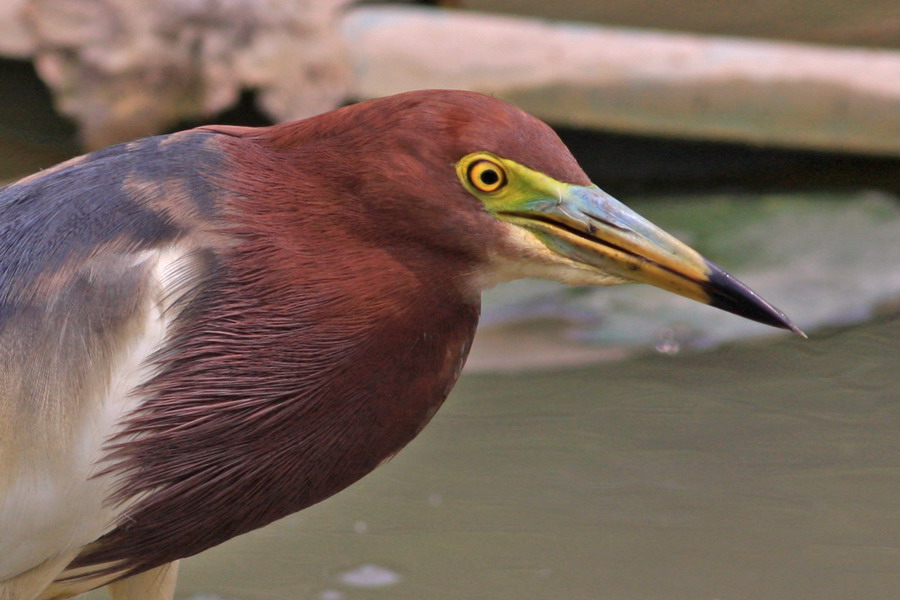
(486, 175)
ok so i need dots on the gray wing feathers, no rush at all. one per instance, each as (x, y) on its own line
(96, 257)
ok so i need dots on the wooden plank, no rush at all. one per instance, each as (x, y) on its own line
(638, 81)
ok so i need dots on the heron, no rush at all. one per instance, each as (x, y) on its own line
(206, 331)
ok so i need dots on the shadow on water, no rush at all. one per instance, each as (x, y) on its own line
(760, 471)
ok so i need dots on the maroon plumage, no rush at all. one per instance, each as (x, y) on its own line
(331, 320)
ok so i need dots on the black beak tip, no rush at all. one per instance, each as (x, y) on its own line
(729, 294)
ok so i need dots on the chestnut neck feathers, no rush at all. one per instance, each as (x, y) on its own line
(320, 341)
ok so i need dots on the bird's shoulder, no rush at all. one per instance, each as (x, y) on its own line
(81, 239)
(129, 197)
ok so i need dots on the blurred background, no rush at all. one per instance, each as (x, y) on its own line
(603, 443)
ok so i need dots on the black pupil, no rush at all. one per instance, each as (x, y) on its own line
(489, 177)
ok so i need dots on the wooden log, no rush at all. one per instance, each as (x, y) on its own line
(637, 81)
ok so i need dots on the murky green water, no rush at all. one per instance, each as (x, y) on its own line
(760, 471)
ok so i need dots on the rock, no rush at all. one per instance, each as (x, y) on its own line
(124, 69)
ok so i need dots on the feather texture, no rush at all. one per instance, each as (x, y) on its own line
(203, 332)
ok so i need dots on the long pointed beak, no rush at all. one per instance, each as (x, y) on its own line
(590, 227)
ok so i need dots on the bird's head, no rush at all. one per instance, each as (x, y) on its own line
(466, 174)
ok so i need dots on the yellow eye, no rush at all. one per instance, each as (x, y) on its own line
(486, 175)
